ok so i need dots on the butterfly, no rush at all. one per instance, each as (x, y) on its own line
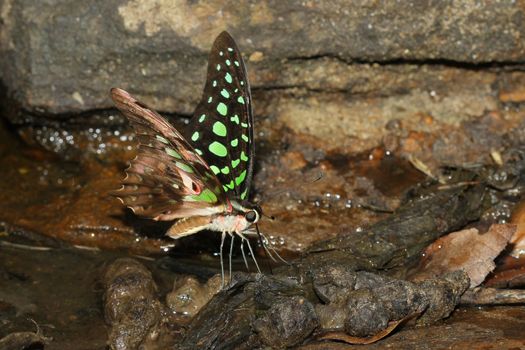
(203, 181)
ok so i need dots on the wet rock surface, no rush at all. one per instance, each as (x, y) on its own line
(351, 195)
(428, 66)
(22, 340)
(330, 294)
(160, 47)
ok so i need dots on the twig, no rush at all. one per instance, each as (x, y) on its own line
(493, 296)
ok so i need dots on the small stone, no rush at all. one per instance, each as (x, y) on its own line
(257, 56)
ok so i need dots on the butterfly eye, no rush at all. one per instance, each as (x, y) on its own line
(251, 216)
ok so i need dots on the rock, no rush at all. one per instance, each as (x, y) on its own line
(189, 295)
(293, 319)
(60, 57)
(130, 305)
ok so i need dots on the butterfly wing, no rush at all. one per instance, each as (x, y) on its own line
(223, 121)
(167, 179)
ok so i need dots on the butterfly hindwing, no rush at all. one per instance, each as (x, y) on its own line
(167, 179)
(223, 121)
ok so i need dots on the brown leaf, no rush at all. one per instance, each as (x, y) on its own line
(467, 250)
(340, 336)
(511, 269)
(518, 239)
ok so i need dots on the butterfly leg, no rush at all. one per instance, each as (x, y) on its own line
(251, 251)
(244, 255)
(231, 253)
(223, 236)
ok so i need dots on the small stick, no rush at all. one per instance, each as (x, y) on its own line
(493, 296)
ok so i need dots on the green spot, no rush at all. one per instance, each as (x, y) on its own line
(228, 62)
(222, 109)
(235, 119)
(244, 137)
(221, 53)
(206, 196)
(239, 179)
(230, 49)
(234, 142)
(175, 186)
(240, 100)
(236, 63)
(229, 186)
(244, 158)
(202, 117)
(219, 129)
(214, 83)
(162, 139)
(242, 83)
(225, 93)
(218, 67)
(184, 167)
(225, 170)
(195, 136)
(218, 149)
(244, 194)
(210, 99)
(244, 125)
(228, 78)
(235, 162)
(172, 152)
(236, 90)
(215, 169)
(199, 152)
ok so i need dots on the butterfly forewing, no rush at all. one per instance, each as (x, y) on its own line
(167, 179)
(223, 121)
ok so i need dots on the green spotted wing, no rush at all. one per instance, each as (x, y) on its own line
(167, 179)
(223, 121)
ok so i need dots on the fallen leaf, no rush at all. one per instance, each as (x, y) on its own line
(511, 269)
(340, 336)
(510, 274)
(467, 250)
(518, 239)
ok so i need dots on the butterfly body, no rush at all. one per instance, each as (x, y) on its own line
(234, 219)
(204, 180)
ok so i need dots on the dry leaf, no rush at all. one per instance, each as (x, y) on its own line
(467, 250)
(518, 239)
(511, 270)
(340, 336)
(510, 274)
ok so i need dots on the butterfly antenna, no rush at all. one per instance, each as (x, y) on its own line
(271, 217)
(266, 252)
(268, 247)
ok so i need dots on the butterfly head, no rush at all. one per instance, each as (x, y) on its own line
(251, 212)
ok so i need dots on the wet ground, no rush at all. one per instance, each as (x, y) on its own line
(60, 227)
(60, 291)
